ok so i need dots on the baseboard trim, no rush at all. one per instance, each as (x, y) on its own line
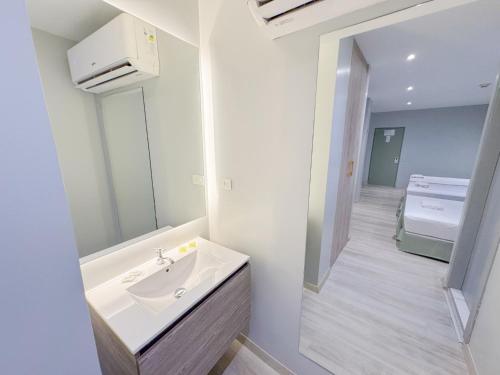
(457, 323)
(317, 288)
(312, 287)
(455, 316)
(265, 356)
(469, 360)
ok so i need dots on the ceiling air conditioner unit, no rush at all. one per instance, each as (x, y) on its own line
(122, 52)
(281, 17)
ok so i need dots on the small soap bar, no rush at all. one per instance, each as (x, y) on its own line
(129, 279)
(192, 244)
(131, 276)
(183, 249)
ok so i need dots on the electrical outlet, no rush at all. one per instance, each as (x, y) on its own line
(227, 184)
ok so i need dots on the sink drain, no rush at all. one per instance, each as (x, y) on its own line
(179, 292)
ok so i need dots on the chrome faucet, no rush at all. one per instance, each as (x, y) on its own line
(163, 259)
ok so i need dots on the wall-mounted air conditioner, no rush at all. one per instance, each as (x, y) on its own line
(122, 52)
(281, 17)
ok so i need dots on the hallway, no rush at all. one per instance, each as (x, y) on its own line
(381, 311)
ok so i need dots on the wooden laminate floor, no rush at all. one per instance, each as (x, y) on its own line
(381, 311)
(240, 360)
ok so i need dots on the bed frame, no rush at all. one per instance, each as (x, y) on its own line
(420, 245)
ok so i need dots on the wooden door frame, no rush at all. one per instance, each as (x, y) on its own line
(400, 149)
(352, 125)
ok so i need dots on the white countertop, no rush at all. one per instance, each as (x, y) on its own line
(138, 320)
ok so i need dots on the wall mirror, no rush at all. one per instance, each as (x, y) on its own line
(391, 168)
(125, 110)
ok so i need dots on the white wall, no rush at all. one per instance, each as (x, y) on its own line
(77, 136)
(431, 136)
(485, 339)
(124, 129)
(44, 321)
(173, 113)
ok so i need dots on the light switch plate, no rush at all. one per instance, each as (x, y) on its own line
(227, 184)
(198, 180)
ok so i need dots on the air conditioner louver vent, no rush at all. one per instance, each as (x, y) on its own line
(119, 67)
(110, 80)
(282, 17)
(123, 51)
(270, 9)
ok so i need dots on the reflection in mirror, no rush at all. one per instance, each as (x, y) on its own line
(128, 157)
(386, 199)
(123, 99)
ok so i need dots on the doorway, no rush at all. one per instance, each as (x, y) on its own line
(376, 288)
(385, 156)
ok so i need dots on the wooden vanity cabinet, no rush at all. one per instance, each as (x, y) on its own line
(193, 345)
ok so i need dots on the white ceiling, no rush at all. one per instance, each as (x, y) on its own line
(455, 50)
(70, 19)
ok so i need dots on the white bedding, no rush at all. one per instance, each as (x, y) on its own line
(444, 191)
(432, 217)
(440, 180)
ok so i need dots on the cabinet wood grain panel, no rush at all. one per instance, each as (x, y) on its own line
(114, 356)
(355, 112)
(195, 344)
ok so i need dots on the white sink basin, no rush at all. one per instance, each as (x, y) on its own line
(142, 302)
(158, 291)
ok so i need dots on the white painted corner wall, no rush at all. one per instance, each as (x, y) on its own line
(45, 323)
(262, 93)
(485, 338)
(177, 17)
(79, 146)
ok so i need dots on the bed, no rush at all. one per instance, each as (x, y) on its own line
(428, 226)
(432, 217)
(440, 180)
(444, 191)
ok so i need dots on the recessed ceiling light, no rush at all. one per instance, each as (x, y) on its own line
(409, 103)
(411, 57)
(409, 88)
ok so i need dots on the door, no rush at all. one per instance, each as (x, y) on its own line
(385, 157)
(124, 125)
(355, 114)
